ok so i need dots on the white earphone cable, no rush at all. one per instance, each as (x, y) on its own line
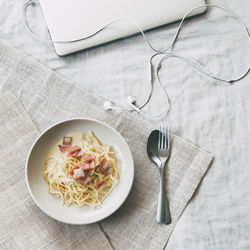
(195, 65)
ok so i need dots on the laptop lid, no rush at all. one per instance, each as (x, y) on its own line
(70, 20)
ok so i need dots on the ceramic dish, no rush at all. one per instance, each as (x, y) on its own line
(52, 205)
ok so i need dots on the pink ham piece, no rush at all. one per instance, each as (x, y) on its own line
(84, 180)
(69, 149)
(87, 165)
(88, 158)
(64, 148)
(103, 167)
(73, 151)
(74, 154)
(79, 175)
(80, 154)
(71, 172)
(67, 140)
(100, 184)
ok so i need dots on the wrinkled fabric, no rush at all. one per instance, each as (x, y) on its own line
(214, 117)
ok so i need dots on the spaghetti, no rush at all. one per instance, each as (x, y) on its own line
(83, 174)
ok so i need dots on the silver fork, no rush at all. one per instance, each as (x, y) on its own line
(163, 213)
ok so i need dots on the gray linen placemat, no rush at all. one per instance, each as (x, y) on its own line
(48, 98)
(22, 224)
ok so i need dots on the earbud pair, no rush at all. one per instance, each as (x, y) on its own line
(131, 102)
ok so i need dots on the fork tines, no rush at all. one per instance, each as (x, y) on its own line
(164, 137)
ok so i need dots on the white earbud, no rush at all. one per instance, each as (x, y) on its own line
(110, 106)
(131, 103)
(107, 105)
(131, 99)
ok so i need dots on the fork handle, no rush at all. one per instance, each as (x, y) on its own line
(163, 213)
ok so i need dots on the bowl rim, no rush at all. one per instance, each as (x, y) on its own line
(82, 119)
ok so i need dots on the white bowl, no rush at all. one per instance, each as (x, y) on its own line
(52, 205)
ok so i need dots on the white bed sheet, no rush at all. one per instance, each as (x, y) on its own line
(216, 118)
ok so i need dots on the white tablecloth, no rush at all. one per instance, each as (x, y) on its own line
(216, 118)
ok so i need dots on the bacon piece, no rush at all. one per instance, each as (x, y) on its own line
(78, 174)
(84, 180)
(88, 158)
(103, 166)
(87, 162)
(73, 151)
(87, 165)
(79, 154)
(100, 184)
(69, 149)
(74, 154)
(64, 148)
(71, 172)
(67, 140)
(92, 165)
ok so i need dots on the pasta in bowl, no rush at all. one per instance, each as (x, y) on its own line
(79, 171)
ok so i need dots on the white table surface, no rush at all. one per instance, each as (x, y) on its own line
(214, 117)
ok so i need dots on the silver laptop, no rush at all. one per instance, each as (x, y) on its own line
(74, 19)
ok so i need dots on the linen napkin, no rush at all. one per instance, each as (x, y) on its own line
(48, 98)
(22, 224)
